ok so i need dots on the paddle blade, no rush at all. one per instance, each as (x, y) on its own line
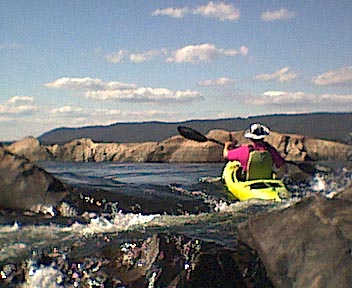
(191, 134)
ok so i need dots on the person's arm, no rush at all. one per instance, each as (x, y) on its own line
(227, 147)
(279, 161)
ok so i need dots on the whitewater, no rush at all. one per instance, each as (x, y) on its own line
(27, 236)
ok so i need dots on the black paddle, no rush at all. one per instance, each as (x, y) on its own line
(194, 135)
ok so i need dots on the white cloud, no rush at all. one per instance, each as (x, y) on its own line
(70, 110)
(202, 53)
(18, 105)
(221, 11)
(191, 53)
(172, 12)
(87, 83)
(20, 99)
(145, 94)
(341, 76)
(216, 82)
(114, 90)
(116, 57)
(217, 10)
(21, 109)
(282, 75)
(336, 98)
(194, 53)
(243, 50)
(284, 98)
(281, 14)
(121, 55)
(143, 57)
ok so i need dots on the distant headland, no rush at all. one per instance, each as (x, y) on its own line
(327, 126)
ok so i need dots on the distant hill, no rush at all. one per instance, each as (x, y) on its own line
(329, 126)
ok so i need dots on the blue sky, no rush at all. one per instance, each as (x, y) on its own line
(77, 63)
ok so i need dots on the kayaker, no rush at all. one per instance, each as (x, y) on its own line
(256, 133)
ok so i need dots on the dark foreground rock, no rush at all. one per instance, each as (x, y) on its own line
(159, 260)
(26, 186)
(307, 245)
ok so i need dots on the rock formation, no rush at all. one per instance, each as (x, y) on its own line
(26, 186)
(177, 149)
(30, 148)
(306, 245)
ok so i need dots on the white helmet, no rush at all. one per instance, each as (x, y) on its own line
(257, 131)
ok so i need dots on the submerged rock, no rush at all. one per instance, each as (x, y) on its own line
(306, 245)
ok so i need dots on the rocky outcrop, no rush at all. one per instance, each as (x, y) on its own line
(30, 148)
(177, 149)
(86, 150)
(327, 150)
(26, 186)
(306, 245)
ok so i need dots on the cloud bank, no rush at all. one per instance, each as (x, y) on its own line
(284, 98)
(18, 105)
(114, 90)
(342, 76)
(205, 52)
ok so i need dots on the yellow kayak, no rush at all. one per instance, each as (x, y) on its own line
(268, 189)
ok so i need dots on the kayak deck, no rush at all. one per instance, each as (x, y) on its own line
(268, 189)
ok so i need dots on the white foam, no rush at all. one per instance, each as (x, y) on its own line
(8, 228)
(120, 222)
(43, 277)
(318, 184)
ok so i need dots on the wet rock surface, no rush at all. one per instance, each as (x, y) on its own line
(306, 245)
(159, 260)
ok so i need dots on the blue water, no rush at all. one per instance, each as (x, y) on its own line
(132, 173)
(130, 176)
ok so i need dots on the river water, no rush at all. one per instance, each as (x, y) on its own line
(218, 223)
